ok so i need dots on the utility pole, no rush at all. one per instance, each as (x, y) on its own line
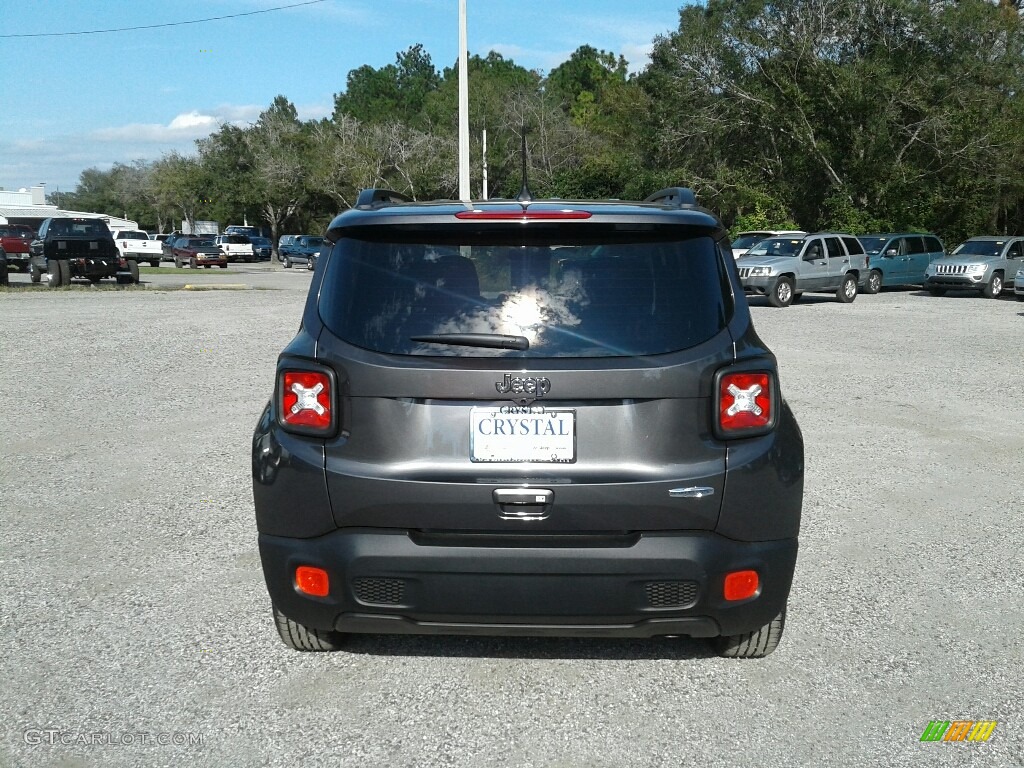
(464, 193)
(484, 154)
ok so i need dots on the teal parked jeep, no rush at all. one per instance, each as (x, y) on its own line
(899, 259)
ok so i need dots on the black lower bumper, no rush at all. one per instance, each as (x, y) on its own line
(631, 585)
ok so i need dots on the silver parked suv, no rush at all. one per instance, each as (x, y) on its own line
(784, 268)
(984, 264)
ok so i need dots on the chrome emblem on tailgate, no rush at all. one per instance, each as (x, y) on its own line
(532, 387)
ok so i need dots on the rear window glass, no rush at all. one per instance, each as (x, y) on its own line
(131, 235)
(622, 294)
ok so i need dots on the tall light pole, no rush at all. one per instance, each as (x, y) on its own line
(463, 105)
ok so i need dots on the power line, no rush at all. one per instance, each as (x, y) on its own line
(168, 24)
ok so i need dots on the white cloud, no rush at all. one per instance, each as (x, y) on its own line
(192, 120)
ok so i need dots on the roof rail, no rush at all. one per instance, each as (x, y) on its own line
(370, 197)
(673, 195)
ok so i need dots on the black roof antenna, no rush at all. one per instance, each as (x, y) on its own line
(524, 193)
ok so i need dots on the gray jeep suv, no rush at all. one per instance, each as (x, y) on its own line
(526, 417)
(983, 264)
(784, 268)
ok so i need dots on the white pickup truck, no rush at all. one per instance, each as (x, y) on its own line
(134, 244)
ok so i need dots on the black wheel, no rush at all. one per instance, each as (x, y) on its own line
(874, 284)
(207, 266)
(34, 273)
(847, 290)
(193, 264)
(782, 293)
(753, 645)
(177, 264)
(155, 263)
(310, 265)
(133, 270)
(994, 287)
(223, 266)
(287, 263)
(303, 638)
(937, 291)
(59, 273)
(5, 278)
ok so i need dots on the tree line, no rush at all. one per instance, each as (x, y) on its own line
(854, 115)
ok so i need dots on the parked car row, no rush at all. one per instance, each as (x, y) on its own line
(782, 267)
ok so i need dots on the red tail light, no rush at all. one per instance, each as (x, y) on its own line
(746, 403)
(306, 401)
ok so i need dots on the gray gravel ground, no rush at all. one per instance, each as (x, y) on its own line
(133, 606)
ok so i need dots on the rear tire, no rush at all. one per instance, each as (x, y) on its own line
(35, 274)
(302, 638)
(133, 270)
(193, 264)
(782, 293)
(753, 645)
(287, 263)
(874, 284)
(155, 263)
(59, 274)
(994, 287)
(223, 266)
(847, 290)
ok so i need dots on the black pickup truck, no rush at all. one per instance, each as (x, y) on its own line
(67, 248)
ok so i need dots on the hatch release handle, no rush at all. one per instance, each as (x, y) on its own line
(523, 503)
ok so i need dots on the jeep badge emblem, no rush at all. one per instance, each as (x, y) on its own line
(530, 386)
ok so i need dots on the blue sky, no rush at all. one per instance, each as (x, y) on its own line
(81, 101)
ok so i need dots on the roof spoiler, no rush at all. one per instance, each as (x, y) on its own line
(370, 197)
(677, 196)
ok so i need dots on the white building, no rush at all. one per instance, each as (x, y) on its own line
(29, 206)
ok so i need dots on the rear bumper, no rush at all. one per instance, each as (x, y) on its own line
(633, 585)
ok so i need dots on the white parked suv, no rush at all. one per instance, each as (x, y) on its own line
(235, 247)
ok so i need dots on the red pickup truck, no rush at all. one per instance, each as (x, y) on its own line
(15, 239)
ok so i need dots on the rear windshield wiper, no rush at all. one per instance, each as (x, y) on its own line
(489, 340)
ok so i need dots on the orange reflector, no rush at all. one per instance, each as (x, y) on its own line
(739, 585)
(312, 581)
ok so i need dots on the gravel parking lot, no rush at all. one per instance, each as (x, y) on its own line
(135, 627)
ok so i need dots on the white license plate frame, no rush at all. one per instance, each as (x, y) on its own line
(540, 435)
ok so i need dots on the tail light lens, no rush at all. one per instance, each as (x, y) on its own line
(741, 585)
(307, 401)
(746, 403)
(312, 581)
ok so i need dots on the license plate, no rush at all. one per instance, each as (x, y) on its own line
(522, 434)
